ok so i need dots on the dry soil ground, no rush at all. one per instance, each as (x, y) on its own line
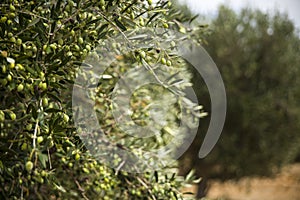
(284, 186)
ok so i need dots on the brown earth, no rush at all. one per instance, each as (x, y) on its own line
(284, 186)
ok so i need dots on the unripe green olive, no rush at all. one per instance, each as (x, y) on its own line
(24, 146)
(166, 25)
(45, 102)
(12, 7)
(19, 67)
(3, 69)
(12, 65)
(43, 86)
(182, 30)
(12, 15)
(65, 117)
(102, 2)
(77, 157)
(19, 41)
(132, 15)
(12, 39)
(40, 180)
(60, 41)
(143, 54)
(20, 87)
(9, 77)
(169, 63)
(40, 139)
(44, 173)
(53, 46)
(142, 23)
(77, 48)
(29, 166)
(10, 35)
(80, 40)
(2, 116)
(12, 115)
(69, 53)
(3, 19)
(34, 49)
(72, 32)
(88, 47)
(163, 61)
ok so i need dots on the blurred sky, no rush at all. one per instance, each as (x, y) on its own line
(210, 7)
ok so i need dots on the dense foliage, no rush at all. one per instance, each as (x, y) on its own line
(258, 57)
(43, 43)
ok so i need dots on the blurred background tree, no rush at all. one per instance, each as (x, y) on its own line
(258, 56)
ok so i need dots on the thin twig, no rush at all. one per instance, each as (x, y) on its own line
(146, 186)
(50, 164)
(36, 128)
(35, 133)
(81, 190)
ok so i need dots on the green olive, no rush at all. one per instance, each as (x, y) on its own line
(2, 116)
(40, 139)
(29, 166)
(43, 86)
(20, 87)
(12, 8)
(169, 63)
(65, 117)
(19, 41)
(72, 32)
(12, 116)
(28, 127)
(3, 19)
(10, 35)
(80, 40)
(69, 53)
(102, 2)
(143, 54)
(24, 146)
(166, 25)
(12, 15)
(12, 39)
(3, 69)
(11, 65)
(60, 41)
(45, 102)
(142, 22)
(9, 78)
(88, 47)
(77, 157)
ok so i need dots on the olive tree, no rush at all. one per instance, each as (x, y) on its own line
(43, 45)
